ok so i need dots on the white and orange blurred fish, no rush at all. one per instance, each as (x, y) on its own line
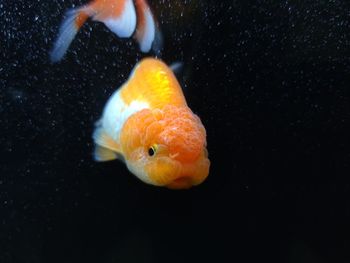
(147, 124)
(120, 16)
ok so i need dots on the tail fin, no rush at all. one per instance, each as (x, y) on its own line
(74, 19)
(119, 18)
(147, 33)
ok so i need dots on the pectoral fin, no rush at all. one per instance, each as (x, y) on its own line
(106, 148)
(102, 154)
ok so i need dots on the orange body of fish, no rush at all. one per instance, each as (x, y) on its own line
(147, 124)
(123, 17)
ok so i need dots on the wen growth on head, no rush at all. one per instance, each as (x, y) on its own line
(125, 18)
(147, 124)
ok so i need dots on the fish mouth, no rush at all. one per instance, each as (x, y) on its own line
(183, 182)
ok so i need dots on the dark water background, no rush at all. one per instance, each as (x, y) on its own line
(270, 81)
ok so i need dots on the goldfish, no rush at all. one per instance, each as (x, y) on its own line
(147, 124)
(122, 17)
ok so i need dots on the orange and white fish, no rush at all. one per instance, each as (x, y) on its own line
(123, 17)
(147, 124)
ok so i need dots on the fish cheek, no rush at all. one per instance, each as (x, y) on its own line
(201, 171)
(137, 157)
(136, 163)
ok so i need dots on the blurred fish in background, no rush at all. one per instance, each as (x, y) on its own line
(125, 18)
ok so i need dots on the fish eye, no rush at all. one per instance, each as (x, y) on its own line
(152, 150)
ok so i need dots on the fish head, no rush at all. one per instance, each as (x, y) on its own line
(166, 147)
